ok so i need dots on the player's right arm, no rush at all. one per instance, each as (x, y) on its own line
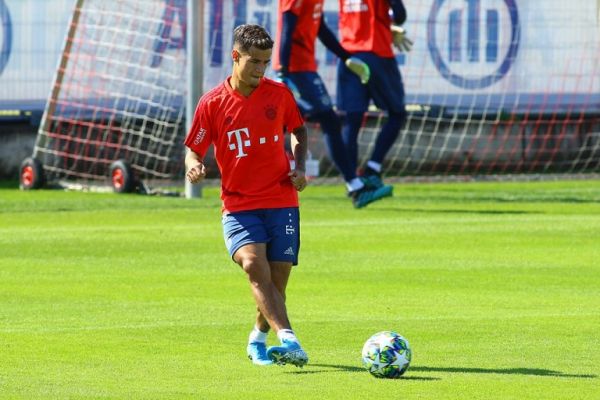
(197, 141)
(288, 25)
(196, 171)
(289, 21)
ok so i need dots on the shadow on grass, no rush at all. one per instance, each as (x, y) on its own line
(323, 368)
(509, 371)
(459, 211)
(9, 184)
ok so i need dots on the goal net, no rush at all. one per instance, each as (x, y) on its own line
(492, 87)
(118, 94)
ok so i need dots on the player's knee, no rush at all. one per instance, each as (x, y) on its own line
(256, 268)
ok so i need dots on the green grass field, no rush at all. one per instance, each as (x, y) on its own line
(496, 286)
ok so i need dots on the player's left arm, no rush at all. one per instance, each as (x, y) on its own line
(399, 11)
(327, 37)
(399, 38)
(299, 144)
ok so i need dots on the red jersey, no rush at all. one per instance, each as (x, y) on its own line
(365, 25)
(248, 135)
(309, 12)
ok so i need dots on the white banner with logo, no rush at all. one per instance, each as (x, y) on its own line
(514, 55)
(31, 39)
(523, 55)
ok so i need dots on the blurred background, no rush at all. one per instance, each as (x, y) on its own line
(493, 87)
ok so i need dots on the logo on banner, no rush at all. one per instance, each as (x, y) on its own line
(175, 12)
(473, 43)
(5, 35)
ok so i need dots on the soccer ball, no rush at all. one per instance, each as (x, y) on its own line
(386, 355)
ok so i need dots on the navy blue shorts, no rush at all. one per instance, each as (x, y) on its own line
(385, 86)
(279, 228)
(314, 97)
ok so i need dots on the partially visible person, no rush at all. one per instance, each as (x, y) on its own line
(247, 118)
(299, 24)
(368, 32)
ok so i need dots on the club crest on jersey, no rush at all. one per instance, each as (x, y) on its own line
(199, 136)
(271, 112)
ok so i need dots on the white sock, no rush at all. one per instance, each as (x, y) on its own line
(355, 184)
(257, 336)
(375, 166)
(286, 334)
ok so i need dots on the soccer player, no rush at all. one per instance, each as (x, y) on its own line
(299, 24)
(247, 117)
(367, 33)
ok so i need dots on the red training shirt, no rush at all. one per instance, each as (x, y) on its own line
(309, 12)
(248, 135)
(365, 25)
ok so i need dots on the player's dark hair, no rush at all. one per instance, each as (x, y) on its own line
(246, 36)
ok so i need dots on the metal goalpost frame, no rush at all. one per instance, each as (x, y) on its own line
(40, 140)
(194, 40)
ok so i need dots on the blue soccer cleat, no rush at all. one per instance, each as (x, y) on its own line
(257, 353)
(367, 195)
(289, 352)
(373, 181)
(371, 178)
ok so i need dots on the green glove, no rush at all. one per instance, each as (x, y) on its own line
(360, 68)
(401, 42)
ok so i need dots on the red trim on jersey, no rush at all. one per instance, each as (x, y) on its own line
(365, 25)
(248, 135)
(309, 12)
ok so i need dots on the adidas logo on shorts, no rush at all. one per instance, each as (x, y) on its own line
(289, 251)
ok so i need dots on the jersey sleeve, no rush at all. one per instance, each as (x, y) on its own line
(199, 136)
(292, 117)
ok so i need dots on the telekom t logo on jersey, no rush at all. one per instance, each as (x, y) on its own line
(239, 141)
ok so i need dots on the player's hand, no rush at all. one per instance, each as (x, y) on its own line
(285, 79)
(401, 41)
(360, 68)
(298, 178)
(196, 173)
